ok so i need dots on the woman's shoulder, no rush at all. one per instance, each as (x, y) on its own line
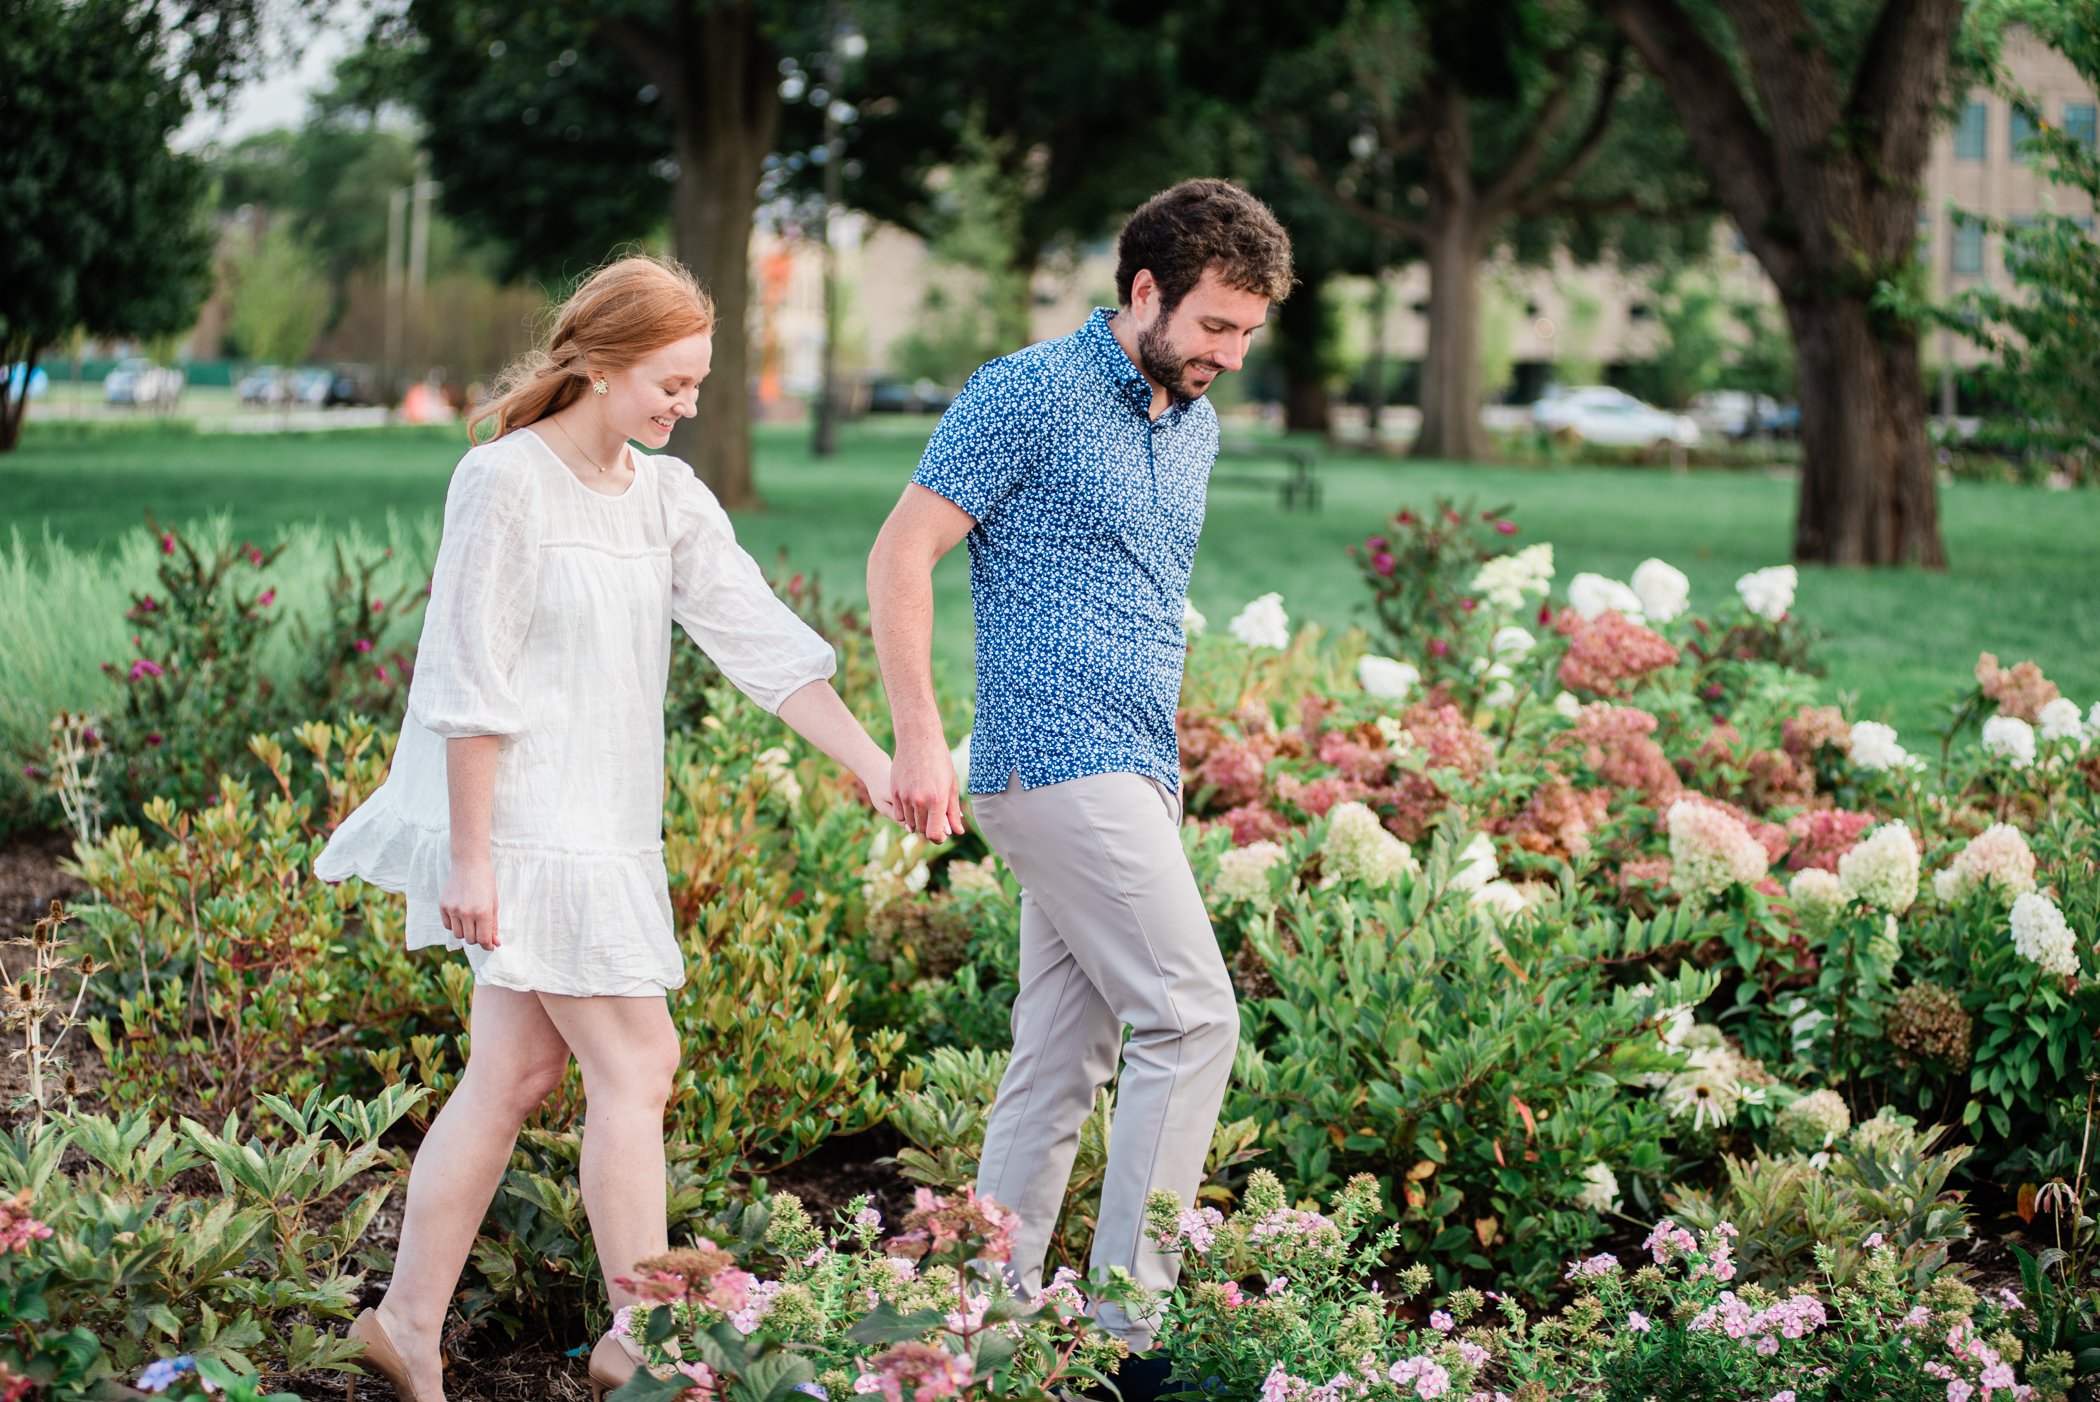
(686, 498)
(507, 464)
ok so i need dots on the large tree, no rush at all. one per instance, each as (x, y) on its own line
(564, 131)
(1815, 122)
(1458, 129)
(101, 225)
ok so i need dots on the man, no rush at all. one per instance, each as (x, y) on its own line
(1077, 469)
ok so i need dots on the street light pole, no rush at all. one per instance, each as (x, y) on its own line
(407, 258)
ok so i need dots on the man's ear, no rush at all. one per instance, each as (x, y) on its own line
(1144, 289)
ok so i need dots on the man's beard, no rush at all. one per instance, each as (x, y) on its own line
(1163, 365)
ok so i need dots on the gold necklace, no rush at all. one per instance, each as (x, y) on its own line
(579, 448)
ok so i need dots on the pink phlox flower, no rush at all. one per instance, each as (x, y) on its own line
(2010, 1298)
(1668, 1241)
(967, 1319)
(903, 1266)
(18, 1227)
(1637, 1322)
(923, 1372)
(1276, 1387)
(1601, 1264)
(729, 1291)
(1197, 1229)
(702, 1376)
(1471, 1354)
(868, 1219)
(1063, 1293)
(1430, 1378)
(1232, 1295)
(1279, 1286)
(1785, 1394)
(1873, 1240)
(758, 1301)
(1999, 1374)
(1959, 1391)
(623, 1322)
(1918, 1317)
(1441, 1321)
(867, 1383)
(1767, 1345)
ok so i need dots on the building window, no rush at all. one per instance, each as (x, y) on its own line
(2078, 121)
(1972, 136)
(2020, 127)
(1968, 250)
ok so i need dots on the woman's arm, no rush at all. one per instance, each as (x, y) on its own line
(467, 905)
(816, 713)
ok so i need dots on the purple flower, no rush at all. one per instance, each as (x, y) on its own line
(146, 667)
(1637, 1322)
(160, 1375)
(1506, 527)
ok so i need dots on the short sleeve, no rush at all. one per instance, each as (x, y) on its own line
(725, 605)
(985, 444)
(481, 599)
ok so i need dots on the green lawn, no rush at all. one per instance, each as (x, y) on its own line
(2025, 580)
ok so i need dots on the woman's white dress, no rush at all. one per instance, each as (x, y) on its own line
(549, 624)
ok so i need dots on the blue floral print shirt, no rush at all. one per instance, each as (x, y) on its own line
(1088, 514)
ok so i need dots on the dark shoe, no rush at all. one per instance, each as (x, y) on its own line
(1142, 1377)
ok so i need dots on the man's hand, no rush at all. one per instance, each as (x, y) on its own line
(922, 779)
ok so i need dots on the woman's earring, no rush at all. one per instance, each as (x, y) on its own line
(598, 387)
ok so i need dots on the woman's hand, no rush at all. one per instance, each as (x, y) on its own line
(467, 905)
(876, 778)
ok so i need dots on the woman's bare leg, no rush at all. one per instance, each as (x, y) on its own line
(518, 1058)
(628, 1050)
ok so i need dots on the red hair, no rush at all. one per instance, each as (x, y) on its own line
(622, 312)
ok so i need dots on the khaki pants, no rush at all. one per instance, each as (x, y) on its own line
(1113, 934)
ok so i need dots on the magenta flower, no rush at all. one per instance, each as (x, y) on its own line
(269, 597)
(363, 645)
(1383, 563)
(167, 543)
(146, 667)
(154, 739)
(383, 675)
(379, 606)
(1506, 527)
(1438, 647)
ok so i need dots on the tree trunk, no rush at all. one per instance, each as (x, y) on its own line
(1304, 325)
(1451, 391)
(14, 407)
(1868, 495)
(725, 114)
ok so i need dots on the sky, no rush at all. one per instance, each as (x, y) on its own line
(278, 98)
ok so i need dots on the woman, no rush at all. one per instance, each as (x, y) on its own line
(523, 813)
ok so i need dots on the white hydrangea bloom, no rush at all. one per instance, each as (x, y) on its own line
(1387, 678)
(1769, 592)
(1882, 869)
(2041, 934)
(1263, 623)
(1511, 643)
(2060, 721)
(1593, 594)
(1476, 865)
(2009, 738)
(1600, 1189)
(1817, 894)
(1663, 590)
(1192, 622)
(1358, 848)
(1501, 899)
(1816, 1121)
(777, 766)
(1998, 854)
(1506, 580)
(2092, 722)
(1243, 875)
(1874, 747)
(1568, 704)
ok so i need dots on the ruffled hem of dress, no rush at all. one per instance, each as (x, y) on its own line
(599, 922)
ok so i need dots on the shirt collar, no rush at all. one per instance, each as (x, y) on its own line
(1116, 365)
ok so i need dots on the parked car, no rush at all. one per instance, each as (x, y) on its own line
(1736, 413)
(352, 385)
(38, 380)
(892, 394)
(265, 384)
(1611, 418)
(310, 386)
(138, 380)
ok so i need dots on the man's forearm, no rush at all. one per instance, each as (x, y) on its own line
(900, 614)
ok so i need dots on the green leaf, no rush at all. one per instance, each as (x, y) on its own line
(884, 1325)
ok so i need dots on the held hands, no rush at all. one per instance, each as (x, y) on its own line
(876, 779)
(467, 904)
(924, 791)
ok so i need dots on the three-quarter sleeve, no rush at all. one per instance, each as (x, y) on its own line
(984, 446)
(481, 600)
(724, 604)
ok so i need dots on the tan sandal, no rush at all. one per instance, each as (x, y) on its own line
(613, 1362)
(382, 1355)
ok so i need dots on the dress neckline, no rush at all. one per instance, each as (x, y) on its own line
(634, 461)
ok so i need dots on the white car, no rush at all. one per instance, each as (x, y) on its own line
(1611, 418)
(1733, 413)
(139, 381)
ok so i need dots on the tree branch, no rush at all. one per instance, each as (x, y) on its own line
(1530, 154)
(1724, 131)
(1592, 139)
(648, 50)
(1397, 225)
(1896, 93)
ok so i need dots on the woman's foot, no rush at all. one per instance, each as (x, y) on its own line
(403, 1354)
(614, 1359)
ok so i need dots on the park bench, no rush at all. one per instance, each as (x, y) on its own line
(1296, 481)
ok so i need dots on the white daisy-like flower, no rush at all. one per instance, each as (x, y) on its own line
(1663, 590)
(1263, 623)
